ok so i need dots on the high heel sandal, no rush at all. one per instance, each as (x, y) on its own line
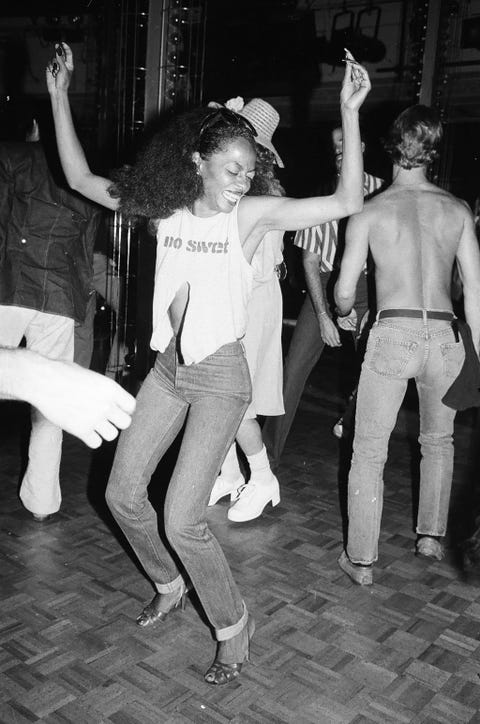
(223, 672)
(161, 605)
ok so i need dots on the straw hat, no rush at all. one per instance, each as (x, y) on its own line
(265, 119)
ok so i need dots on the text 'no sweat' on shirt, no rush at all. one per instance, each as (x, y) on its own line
(205, 247)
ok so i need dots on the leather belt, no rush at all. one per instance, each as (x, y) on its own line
(416, 313)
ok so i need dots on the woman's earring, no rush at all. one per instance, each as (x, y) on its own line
(198, 171)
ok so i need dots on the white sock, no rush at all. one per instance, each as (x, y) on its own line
(231, 468)
(260, 471)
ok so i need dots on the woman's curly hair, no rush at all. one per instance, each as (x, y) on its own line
(265, 181)
(164, 177)
(414, 137)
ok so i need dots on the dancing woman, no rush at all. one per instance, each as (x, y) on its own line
(192, 179)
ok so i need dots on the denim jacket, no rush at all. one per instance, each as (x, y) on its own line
(46, 236)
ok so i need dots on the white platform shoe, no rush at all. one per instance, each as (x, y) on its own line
(225, 485)
(253, 498)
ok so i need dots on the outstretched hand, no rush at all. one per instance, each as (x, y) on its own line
(84, 403)
(60, 68)
(356, 83)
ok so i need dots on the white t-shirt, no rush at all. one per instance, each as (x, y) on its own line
(207, 254)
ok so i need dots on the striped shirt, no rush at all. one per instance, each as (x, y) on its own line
(323, 239)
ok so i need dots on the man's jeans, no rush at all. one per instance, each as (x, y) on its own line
(210, 399)
(305, 349)
(52, 336)
(399, 349)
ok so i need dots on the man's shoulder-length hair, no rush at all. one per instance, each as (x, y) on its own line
(414, 137)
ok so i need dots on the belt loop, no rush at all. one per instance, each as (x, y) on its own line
(426, 331)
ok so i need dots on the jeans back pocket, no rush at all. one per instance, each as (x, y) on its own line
(388, 354)
(453, 356)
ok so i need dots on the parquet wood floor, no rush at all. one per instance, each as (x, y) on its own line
(325, 651)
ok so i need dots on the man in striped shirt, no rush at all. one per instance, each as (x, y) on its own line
(315, 327)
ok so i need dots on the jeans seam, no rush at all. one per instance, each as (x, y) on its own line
(138, 519)
(212, 543)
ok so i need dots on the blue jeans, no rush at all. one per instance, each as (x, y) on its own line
(305, 349)
(210, 399)
(399, 349)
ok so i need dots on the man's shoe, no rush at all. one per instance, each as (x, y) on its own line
(430, 548)
(363, 575)
(225, 486)
(41, 518)
(253, 498)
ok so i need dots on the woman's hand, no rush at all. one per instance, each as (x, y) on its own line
(356, 84)
(60, 69)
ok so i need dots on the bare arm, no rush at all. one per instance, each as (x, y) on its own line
(82, 402)
(468, 262)
(353, 262)
(348, 196)
(257, 215)
(328, 331)
(72, 157)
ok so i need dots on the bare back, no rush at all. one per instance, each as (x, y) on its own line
(413, 235)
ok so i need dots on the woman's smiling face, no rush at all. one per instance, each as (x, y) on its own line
(226, 175)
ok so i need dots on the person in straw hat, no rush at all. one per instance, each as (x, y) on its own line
(262, 340)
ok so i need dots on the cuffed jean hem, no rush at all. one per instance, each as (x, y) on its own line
(223, 634)
(431, 533)
(360, 563)
(171, 587)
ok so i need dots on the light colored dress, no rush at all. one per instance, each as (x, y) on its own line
(263, 338)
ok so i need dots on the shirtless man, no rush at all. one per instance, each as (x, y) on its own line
(415, 232)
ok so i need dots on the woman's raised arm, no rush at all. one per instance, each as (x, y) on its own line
(291, 214)
(72, 157)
